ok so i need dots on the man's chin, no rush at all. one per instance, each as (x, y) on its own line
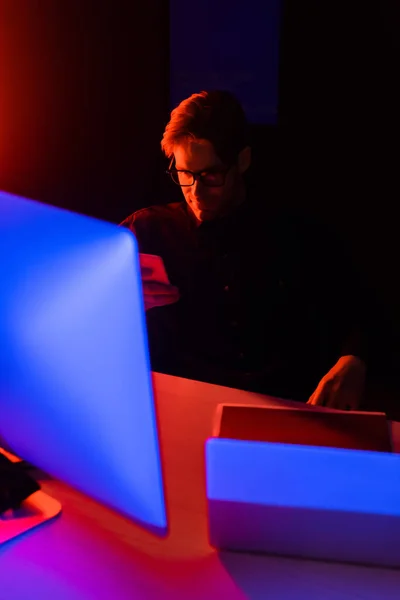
(206, 216)
(203, 214)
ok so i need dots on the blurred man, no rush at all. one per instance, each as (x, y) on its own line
(258, 300)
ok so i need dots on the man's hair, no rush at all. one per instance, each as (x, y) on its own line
(216, 116)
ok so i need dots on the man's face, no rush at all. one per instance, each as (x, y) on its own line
(206, 202)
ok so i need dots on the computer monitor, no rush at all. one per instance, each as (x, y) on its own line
(76, 396)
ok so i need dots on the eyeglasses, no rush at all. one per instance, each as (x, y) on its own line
(212, 178)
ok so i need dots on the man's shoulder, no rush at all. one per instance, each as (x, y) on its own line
(155, 227)
(155, 215)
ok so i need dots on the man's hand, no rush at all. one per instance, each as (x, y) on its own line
(156, 293)
(343, 386)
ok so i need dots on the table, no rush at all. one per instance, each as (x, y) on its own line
(91, 553)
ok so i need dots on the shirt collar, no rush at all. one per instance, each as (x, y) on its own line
(227, 221)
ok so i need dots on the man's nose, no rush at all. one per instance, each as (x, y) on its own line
(197, 186)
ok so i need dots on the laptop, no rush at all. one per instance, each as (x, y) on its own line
(76, 396)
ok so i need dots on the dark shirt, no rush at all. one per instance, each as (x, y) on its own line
(267, 300)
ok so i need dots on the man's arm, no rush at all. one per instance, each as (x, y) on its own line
(159, 299)
(345, 303)
(156, 293)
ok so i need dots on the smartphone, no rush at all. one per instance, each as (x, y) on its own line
(155, 265)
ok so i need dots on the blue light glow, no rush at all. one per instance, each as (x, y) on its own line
(310, 477)
(313, 502)
(75, 382)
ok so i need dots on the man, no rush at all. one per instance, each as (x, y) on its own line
(258, 300)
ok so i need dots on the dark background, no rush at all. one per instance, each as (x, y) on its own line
(238, 50)
(83, 101)
(85, 95)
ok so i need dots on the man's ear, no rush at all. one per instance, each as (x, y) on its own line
(244, 159)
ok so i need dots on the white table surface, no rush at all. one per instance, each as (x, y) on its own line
(92, 553)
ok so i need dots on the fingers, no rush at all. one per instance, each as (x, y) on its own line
(345, 400)
(153, 288)
(156, 292)
(336, 400)
(154, 302)
(158, 301)
(322, 395)
(331, 396)
(159, 294)
(146, 273)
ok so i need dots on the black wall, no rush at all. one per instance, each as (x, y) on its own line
(83, 101)
(340, 125)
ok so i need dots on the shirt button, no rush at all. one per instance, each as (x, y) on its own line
(226, 288)
(234, 324)
(241, 356)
